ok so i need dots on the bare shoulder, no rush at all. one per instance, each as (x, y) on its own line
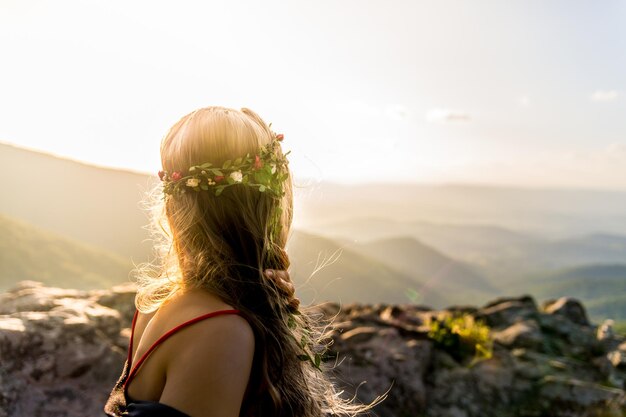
(209, 365)
(216, 332)
(199, 336)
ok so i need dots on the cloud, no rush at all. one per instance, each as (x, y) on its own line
(397, 112)
(604, 95)
(447, 115)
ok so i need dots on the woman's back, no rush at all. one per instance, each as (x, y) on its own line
(194, 354)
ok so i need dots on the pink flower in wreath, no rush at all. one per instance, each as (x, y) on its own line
(176, 175)
(258, 164)
(218, 178)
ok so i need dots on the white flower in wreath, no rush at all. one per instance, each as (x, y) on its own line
(237, 176)
(273, 168)
(210, 181)
(192, 182)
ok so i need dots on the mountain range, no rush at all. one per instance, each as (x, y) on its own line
(63, 220)
(31, 253)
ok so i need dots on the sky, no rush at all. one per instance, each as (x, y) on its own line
(522, 92)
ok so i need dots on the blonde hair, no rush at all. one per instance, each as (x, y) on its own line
(223, 244)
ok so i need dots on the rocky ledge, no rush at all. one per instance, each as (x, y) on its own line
(62, 350)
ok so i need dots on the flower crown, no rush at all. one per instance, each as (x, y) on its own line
(265, 171)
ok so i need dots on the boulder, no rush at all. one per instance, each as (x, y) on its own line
(506, 311)
(521, 334)
(60, 352)
(567, 307)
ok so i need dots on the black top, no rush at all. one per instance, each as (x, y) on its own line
(119, 406)
(152, 408)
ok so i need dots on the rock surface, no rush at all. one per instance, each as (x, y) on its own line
(62, 350)
(550, 362)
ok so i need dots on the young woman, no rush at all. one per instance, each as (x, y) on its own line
(218, 332)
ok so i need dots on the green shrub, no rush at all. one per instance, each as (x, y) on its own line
(462, 336)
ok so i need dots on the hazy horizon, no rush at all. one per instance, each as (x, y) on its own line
(306, 181)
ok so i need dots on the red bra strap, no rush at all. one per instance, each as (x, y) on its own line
(132, 333)
(141, 360)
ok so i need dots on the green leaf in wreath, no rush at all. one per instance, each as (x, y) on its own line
(261, 177)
